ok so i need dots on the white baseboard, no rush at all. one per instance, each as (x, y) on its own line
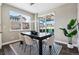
(75, 45)
(10, 42)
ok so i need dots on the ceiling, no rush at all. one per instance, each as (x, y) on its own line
(36, 7)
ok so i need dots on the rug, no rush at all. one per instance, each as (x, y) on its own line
(19, 49)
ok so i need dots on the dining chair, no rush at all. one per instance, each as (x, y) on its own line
(21, 38)
(29, 42)
(50, 42)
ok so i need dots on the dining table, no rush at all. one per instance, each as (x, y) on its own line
(40, 37)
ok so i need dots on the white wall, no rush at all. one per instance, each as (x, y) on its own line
(78, 12)
(78, 22)
(0, 14)
(62, 17)
(0, 28)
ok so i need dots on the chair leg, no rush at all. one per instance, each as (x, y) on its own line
(25, 48)
(22, 46)
(30, 49)
(44, 48)
(54, 48)
(37, 45)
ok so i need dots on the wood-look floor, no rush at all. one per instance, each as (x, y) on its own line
(6, 50)
(66, 51)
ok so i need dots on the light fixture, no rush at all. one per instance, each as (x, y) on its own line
(32, 4)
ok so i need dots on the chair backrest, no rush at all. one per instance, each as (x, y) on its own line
(28, 40)
(50, 40)
(21, 37)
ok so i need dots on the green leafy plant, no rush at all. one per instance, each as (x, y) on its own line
(71, 30)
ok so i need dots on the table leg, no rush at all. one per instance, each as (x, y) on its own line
(21, 42)
(50, 47)
(40, 47)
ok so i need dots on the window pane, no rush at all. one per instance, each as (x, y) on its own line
(42, 24)
(46, 24)
(14, 16)
(15, 25)
(25, 25)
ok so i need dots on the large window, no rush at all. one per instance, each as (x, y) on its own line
(46, 24)
(19, 21)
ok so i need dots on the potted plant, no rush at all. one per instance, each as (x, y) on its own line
(70, 31)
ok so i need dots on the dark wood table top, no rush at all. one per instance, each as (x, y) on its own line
(39, 36)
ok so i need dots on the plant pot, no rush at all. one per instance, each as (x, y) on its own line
(70, 46)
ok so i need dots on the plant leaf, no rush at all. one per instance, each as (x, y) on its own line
(71, 24)
(65, 31)
(74, 32)
(74, 26)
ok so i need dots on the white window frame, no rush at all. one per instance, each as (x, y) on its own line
(21, 25)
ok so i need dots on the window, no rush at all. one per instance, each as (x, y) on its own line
(46, 24)
(25, 25)
(19, 21)
(42, 25)
(15, 25)
(50, 25)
